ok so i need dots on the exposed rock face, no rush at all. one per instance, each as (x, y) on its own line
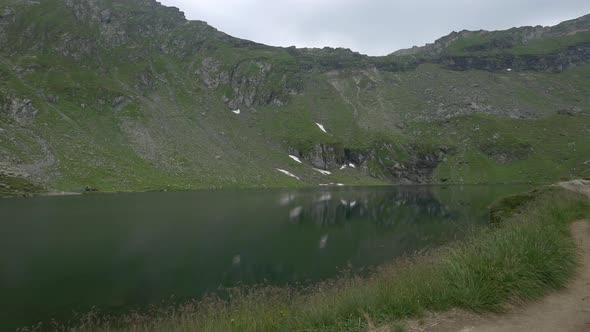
(6, 18)
(259, 83)
(569, 111)
(20, 110)
(116, 28)
(417, 167)
(504, 153)
(556, 62)
(251, 82)
(496, 50)
(326, 156)
(211, 73)
(246, 79)
(146, 80)
(333, 156)
(417, 170)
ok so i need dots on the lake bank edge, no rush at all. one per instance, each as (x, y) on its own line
(456, 276)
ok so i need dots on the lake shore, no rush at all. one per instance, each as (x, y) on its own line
(521, 258)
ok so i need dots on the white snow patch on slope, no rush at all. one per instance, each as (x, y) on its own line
(351, 165)
(295, 158)
(237, 111)
(321, 127)
(288, 173)
(322, 171)
(343, 167)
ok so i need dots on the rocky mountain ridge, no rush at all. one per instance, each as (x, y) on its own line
(129, 95)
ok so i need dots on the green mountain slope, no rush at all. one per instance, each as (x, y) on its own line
(129, 95)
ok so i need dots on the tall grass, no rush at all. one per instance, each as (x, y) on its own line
(510, 263)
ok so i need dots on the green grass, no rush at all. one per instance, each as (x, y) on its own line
(508, 206)
(193, 141)
(511, 263)
(16, 186)
(503, 43)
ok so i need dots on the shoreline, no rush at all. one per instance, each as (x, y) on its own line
(406, 288)
(245, 188)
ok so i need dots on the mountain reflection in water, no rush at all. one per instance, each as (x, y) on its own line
(115, 252)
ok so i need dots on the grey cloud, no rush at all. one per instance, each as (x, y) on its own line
(374, 27)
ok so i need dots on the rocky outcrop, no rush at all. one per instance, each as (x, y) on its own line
(146, 80)
(20, 110)
(212, 74)
(504, 153)
(417, 170)
(326, 156)
(407, 165)
(507, 49)
(573, 111)
(251, 82)
(382, 161)
(116, 28)
(246, 79)
(333, 156)
(556, 62)
(6, 18)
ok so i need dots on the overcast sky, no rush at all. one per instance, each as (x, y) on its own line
(374, 27)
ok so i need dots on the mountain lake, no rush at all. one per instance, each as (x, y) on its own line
(117, 252)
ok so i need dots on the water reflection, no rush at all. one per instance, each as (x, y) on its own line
(383, 208)
(62, 254)
(323, 241)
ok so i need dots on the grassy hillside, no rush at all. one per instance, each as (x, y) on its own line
(128, 95)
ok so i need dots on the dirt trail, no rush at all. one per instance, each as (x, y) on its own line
(567, 310)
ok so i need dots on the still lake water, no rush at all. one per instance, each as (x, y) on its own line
(123, 251)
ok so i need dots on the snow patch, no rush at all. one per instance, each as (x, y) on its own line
(237, 111)
(295, 158)
(343, 167)
(288, 173)
(322, 171)
(351, 165)
(509, 69)
(321, 127)
(325, 197)
(340, 184)
(352, 204)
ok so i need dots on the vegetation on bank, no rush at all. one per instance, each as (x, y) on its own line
(518, 259)
(16, 186)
